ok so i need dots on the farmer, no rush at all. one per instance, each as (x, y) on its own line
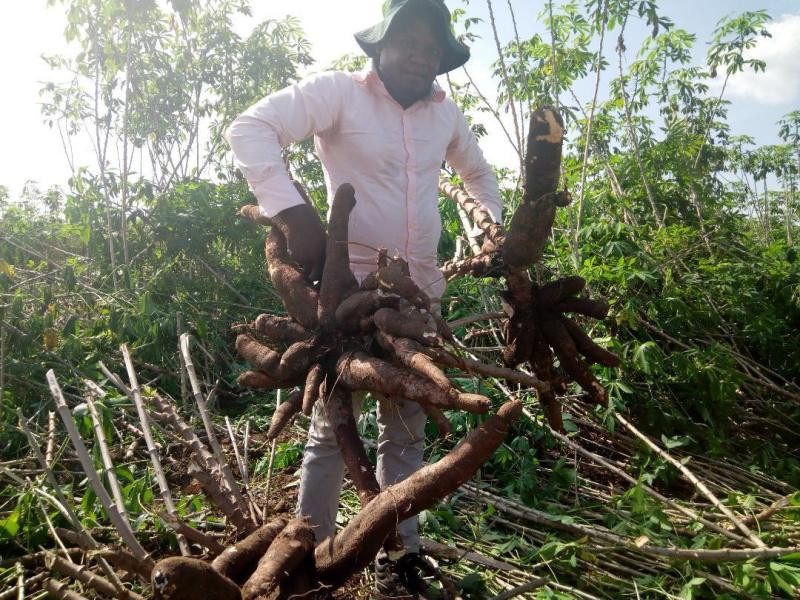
(387, 131)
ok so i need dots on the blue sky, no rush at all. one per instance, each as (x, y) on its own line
(29, 150)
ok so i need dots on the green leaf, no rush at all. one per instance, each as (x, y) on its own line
(10, 525)
(645, 357)
(687, 592)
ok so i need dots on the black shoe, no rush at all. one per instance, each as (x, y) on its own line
(400, 579)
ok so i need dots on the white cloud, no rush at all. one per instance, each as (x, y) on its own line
(780, 83)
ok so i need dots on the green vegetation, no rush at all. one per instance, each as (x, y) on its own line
(689, 231)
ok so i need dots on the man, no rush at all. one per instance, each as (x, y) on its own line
(386, 131)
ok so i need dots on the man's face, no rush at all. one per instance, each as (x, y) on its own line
(409, 59)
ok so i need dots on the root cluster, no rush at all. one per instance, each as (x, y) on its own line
(540, 327)
(382, 336)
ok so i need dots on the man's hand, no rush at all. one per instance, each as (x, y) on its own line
(305, 238)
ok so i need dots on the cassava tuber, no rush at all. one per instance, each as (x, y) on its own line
(239, 561)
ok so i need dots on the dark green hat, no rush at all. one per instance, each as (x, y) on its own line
(455, 53)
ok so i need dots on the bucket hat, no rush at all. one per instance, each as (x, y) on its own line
(455, 53)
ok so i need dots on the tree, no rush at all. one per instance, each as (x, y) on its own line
(156, 86)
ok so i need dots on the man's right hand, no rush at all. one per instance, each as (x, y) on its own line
(305, 238)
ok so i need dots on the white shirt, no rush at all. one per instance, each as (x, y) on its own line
(392, 157)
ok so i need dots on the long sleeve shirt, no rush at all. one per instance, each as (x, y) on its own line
(392, 156)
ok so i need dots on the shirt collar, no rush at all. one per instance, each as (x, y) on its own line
(369, 78)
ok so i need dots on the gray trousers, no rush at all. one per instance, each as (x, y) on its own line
(401, 435)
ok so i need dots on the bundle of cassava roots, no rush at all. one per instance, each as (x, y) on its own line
(383, 336)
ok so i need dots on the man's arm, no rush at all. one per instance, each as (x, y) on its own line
(257, 137)
(465, 156)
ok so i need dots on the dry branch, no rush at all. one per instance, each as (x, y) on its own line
(479, 215)
(89, 579)
(215, 490)
(710, 556)
(230, 482)
(191, 534)
(701, 487)
(122, 525)
(161, 479)
(650, 491)
(125, 561)
(105, 455)
(61, 591)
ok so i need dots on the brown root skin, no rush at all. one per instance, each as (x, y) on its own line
(520, 336)
(259, 381)
(289, 366)
(474, 403)
(556, 291)
(520, 333)
(358, 543)
(258, 355)
(361, 305)
(339, 407)
(253, 212)
(338, 280)
(287, 552)
(552, 411)
(281, 330)
(350, 312)
(542, 363)
(359, 371)
(394, 280)
(531, 224)
(314, 379)
(597, 309)
(299, 299)
(520, 289)
(567, 353)
(587, 346)
(298, 358)
(563, 199)
(185, 578)
(411, 325)
(239, 561)
(529, 233)
(284, 414)
(410, 354)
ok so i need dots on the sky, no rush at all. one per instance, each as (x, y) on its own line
(29, 150)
